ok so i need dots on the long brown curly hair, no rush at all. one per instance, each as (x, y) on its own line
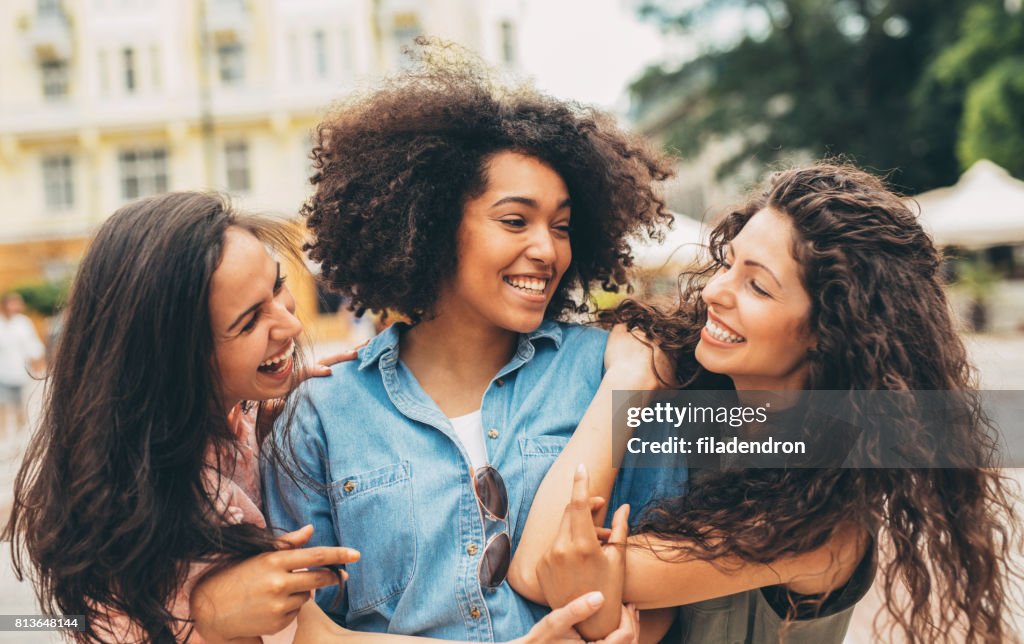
(882, 322)
(112, 501)
(394, 167)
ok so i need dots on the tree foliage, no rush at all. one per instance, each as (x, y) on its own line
(900, 85)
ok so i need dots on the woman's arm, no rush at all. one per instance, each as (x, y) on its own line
(629, 366)
(656, 575)
(264, 593)
(557, 626)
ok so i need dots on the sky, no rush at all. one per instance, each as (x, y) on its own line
(590, 50)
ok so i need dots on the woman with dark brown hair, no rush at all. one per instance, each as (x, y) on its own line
(138, 503)
(823, 281)
(485, 216)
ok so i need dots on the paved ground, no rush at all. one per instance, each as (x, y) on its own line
(1001, 361)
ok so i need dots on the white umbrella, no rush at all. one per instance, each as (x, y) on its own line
(984, 208)
(684, 245)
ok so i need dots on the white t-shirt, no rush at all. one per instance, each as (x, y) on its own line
(470, 431)
(19, 345)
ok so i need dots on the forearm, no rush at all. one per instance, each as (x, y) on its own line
(657, 576)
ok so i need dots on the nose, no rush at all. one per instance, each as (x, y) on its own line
(542, 247)
(286, 325)
(720, 290)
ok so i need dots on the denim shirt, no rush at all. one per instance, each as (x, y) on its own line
(393, 481)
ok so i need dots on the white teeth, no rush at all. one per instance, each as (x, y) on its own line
(721, 334)
(284, 355)
(535, 285)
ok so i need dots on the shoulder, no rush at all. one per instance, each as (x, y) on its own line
(582, 337)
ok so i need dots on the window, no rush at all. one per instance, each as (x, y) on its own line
(143, 172)
(48, 8)
(508, 42)
(236, 163)
(58, 182)
(320, 53)
(231, 63)
(405, 29)
(128, 58)
(154, 63)
(55, 78)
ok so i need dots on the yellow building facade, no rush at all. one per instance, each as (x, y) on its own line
(106, 101)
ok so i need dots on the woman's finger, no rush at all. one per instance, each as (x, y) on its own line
(558, 624)
(303, 581)
(626, 633)
(582, 523)
(344, 356)
(295, 539)
(620, 525)
(318, 557)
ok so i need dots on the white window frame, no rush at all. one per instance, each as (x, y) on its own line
(143, 172)
(237, 166)
(58, 172)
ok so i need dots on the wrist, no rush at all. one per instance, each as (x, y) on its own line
(633, 377)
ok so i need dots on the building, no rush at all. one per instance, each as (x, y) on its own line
(106, 101)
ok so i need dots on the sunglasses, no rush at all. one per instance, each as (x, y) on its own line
(492, 496)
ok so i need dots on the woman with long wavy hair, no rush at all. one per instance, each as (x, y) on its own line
(138, 503)
(822, 281)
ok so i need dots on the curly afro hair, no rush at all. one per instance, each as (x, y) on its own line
(394, 167)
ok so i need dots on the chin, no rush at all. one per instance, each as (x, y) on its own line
(523, 324)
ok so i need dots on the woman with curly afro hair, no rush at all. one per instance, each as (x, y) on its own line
(485, 216)
(825, 283)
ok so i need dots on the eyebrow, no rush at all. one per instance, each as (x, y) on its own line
(526, 201)
(751, 262)
(255, 306)
(246, 312)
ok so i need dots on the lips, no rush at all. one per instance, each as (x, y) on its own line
(528, 283)
(280, 362)
(721, 331)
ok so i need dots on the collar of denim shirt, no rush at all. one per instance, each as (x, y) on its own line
(387, 342)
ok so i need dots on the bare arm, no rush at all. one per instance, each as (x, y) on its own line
(654, 579)
(556, 627)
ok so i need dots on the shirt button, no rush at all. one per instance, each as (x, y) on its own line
(492, 433)
(472, 549)
(500, 382)
(349, 486)
(474, 612)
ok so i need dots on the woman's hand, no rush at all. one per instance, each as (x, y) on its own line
(263, 594)
(635, 361)
(577, 562)
(271, 409)
(322, 367)
(558, 625)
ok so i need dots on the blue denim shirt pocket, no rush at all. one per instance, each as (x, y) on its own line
(388, 552)
(539, 455)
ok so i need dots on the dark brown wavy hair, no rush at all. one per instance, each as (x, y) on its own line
(110, 505)
(395, 166)
(882, 322)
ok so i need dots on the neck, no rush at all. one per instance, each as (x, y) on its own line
(464, 351)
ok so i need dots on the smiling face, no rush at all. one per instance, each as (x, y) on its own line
(513, 246)
(758, 310)
(253, 318)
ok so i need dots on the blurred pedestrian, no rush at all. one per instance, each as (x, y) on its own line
(21, 356)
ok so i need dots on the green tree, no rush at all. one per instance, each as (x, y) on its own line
(986, 66)
(853, 77)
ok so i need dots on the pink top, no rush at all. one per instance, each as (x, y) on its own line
(237, 486)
